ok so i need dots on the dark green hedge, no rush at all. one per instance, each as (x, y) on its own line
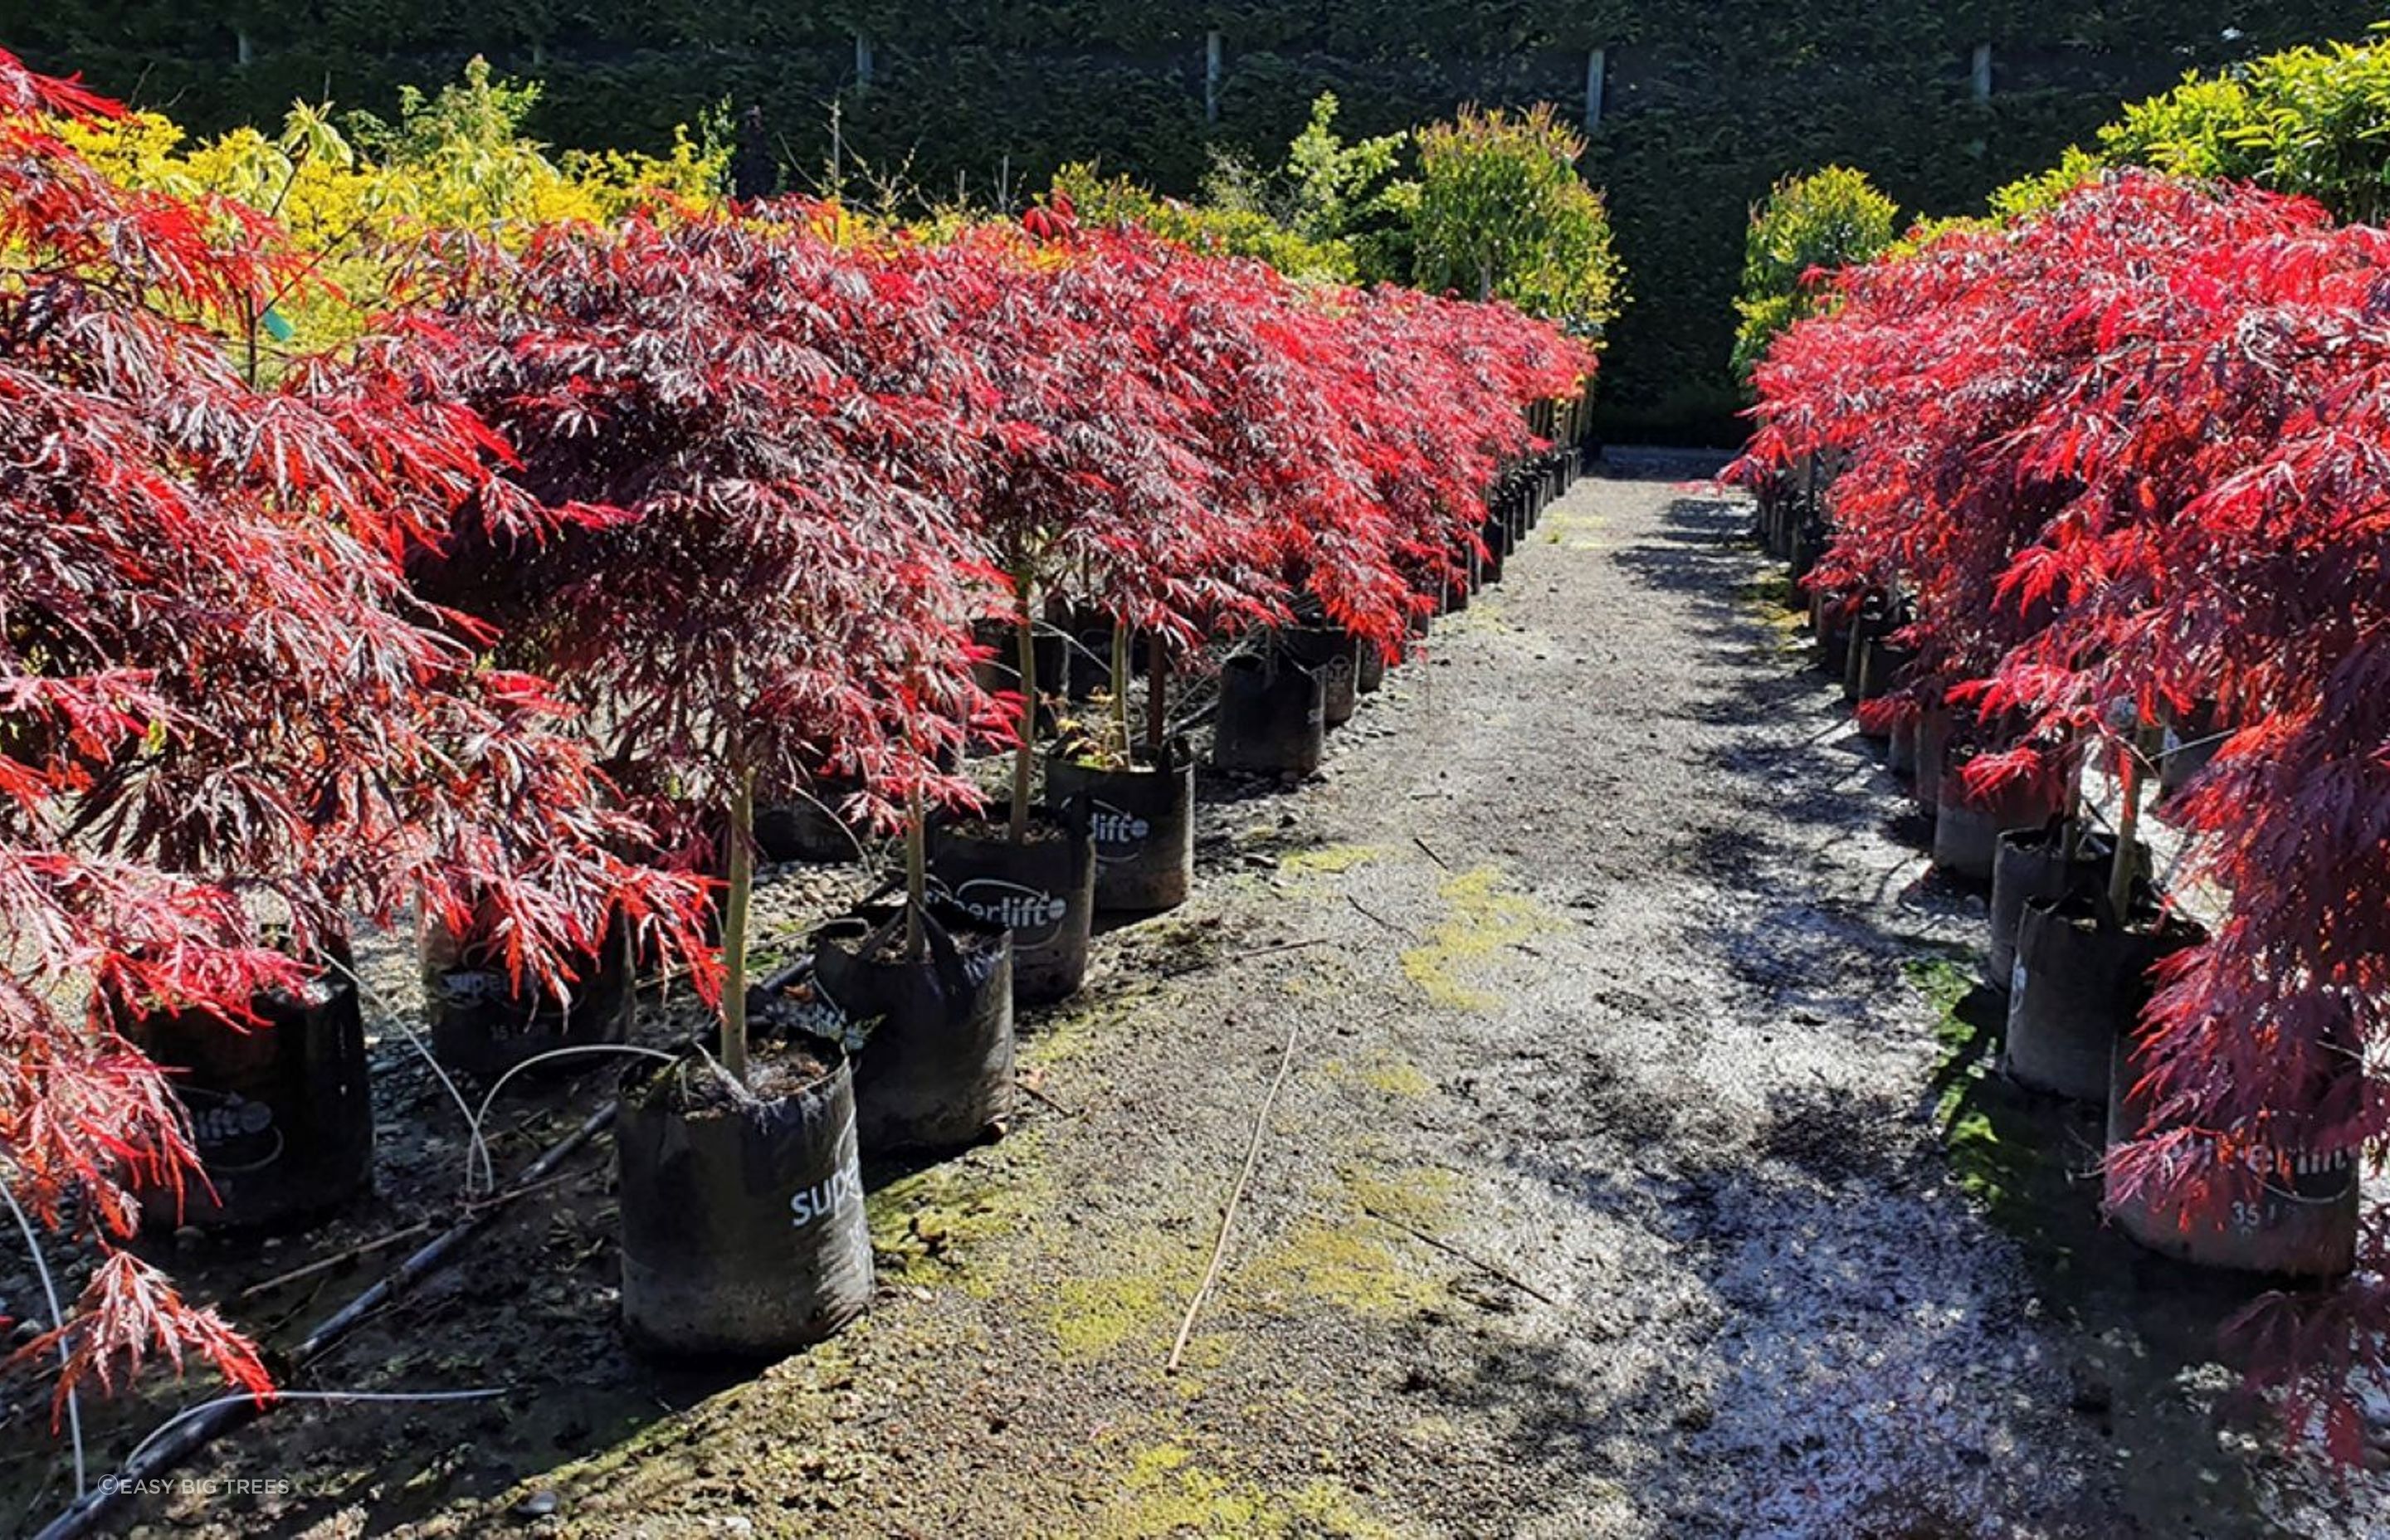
(1708, 105)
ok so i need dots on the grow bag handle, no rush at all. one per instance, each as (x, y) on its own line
(944, 954)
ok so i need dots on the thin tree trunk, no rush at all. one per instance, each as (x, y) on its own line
(734, 924)
(2076, 826)
(917, 875)
(2128, 825)
(1022, 761)
(1120, 684)
(1157, 695)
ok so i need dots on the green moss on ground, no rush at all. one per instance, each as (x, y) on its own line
(1483, 922)
(1397, 1076)
(1575, 527)
(931, 1226)
(1329, 860)
(1347, 1254)
(1166, 1487)
(1128, 1297)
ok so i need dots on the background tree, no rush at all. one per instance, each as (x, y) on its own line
(1502, 213)
(347, 200)
(1328, 191)
(1810, 228)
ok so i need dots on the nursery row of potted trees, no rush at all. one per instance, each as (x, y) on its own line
(523, 619)
(2098, 494)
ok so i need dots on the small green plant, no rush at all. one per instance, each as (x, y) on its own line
(1829, 219)
(1100, 740)
(1233, 230)
(1333, 194)
(1501, 213)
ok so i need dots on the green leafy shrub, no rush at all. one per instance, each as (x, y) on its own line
(1242, 232)
(1706, 105)
(1829, 219)
(1327, 192)
(2312, 120)
(1502, 213)
(2309, 121)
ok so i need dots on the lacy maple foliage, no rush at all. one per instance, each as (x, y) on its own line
(728, 521)
(2128, 458)
(227, 727)
(737, 483)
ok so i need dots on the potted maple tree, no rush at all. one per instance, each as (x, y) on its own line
(224, 730)
(2153, 513)
(1087, 480)
(730, 436)
(1197, 567)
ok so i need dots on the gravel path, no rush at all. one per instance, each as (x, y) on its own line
(1636, 1175)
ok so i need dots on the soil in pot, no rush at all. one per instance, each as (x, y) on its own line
(1273, 717)
(2078, 980)
(2294, 1215)
(281, 1111)
(1968, 825)
(2034, 864)
(743, 1227)
(1141, 820)
(484, 1023)
(1042, 888)
(935, 1072)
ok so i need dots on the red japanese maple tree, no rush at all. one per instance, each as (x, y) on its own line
(1949, 382)
(2229, 550)
(1189, 440)
(729, 522)
(226, 727)
(1091, 463)
(2129, 455)
(1450, 382)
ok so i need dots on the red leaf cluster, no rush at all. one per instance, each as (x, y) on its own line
(760, 477)
(2129, 457)
(662, 507)
(226, 725)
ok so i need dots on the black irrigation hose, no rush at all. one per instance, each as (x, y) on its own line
(201, 1430)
